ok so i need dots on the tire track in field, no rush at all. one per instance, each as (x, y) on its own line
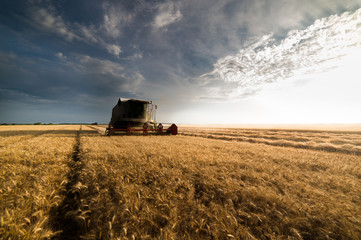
(292, 145)
(68, 217)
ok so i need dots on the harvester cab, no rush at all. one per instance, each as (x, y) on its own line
(136, 115)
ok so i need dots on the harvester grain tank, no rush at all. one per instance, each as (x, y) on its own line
(132, 115)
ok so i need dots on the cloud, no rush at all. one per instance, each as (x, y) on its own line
(60, 55)
(52, 23)
(168, 13)
(115, 18)
(64, 77)
(211, 29)
(114, 49)
(45, 19)
(105, 75)
(316, 49)
(18, 96)
(89, 33)
(135, 56)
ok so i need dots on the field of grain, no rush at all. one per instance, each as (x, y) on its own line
(33, 168)
(344, 141)
(70, 182)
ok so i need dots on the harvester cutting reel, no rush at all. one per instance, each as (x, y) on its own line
(147, 128)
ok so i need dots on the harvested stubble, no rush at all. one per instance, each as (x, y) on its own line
(330, 141)
(196, 188)
(33, 167)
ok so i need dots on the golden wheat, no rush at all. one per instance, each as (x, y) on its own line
(331, 141)
(32, 170)
(182, 187)
(187, 187)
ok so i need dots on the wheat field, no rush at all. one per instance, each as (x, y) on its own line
(345, 141)
(70, 182)
(33, 168)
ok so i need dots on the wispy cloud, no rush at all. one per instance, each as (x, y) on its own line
(65, 77)
(115, 18)
(168, 13)
(303, 52)
(18, 96)
(47, 20)
(60, 55)
(106, 75)
(134, 57)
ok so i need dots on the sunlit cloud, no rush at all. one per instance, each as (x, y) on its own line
(168, 13)
(302, 53)
(114, 49)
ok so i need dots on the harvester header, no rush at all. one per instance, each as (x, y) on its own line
(137, 115)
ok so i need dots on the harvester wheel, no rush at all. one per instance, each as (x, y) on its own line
(160, 128)
(173, 129)
(145, 129)
(107, 133)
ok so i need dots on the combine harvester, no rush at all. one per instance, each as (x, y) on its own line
(135, 115)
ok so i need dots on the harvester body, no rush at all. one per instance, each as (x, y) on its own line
(133, 115)
(133, 112)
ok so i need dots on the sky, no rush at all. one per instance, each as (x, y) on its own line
(200, 61)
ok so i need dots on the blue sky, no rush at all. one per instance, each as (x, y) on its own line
(204, 61)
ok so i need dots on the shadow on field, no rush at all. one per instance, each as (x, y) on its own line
(35, 133)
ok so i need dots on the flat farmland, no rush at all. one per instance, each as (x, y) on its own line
(70, 182)
(346, 140)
